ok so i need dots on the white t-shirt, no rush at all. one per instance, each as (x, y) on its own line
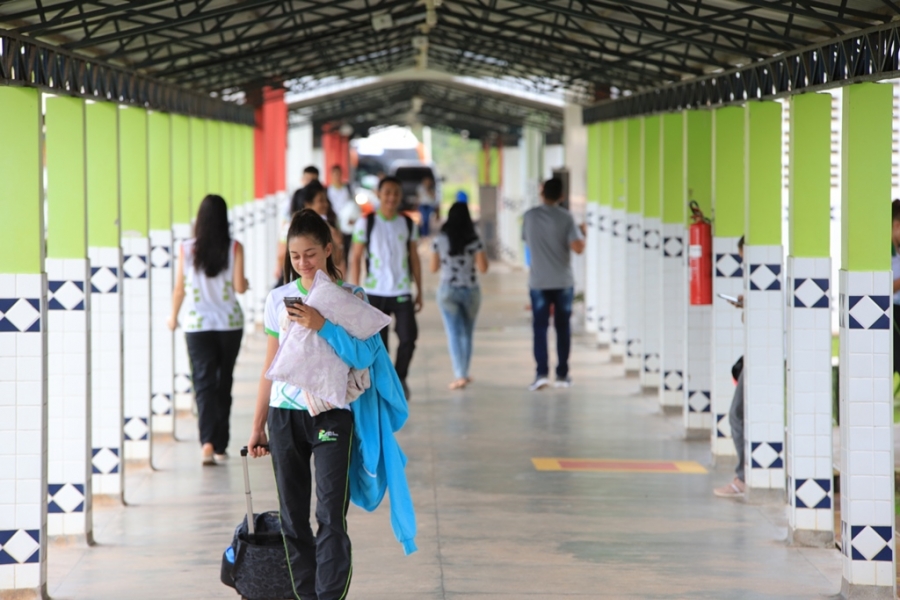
(210, 303)
(285, 395)
(338, 197)
(388, 259)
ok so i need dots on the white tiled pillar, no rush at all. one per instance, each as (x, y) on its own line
(634, 288)
(617, 283)
(162, 261)
(23, 349)
(136, 349)
(68, 383)
(728, 338)
(809, 441)
(653, 302)
(264, 268)
(764, 367)
(23, 432)
(866, 395)
(182, 386)
(106, 371)
(808, 300)
(698, 182)
(592, 267)
(698, 405)
(673, 288)
(674, 330)
(602, 231)
(249, 265)
(651, 254)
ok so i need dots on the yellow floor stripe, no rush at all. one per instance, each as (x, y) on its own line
(612, 465)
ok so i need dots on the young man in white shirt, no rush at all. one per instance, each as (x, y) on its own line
(388, 241)
(340, 198)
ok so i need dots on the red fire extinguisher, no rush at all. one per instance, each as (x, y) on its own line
(700, 256)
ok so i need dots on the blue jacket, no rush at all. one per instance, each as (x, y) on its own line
(376, 461)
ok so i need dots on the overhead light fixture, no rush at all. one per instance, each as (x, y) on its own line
(382, 21)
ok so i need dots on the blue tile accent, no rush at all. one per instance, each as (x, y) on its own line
(825, 484)
(680, 385)
(884, 532)
(113, 271)
(775, 269)
(615, 228)
(168, 251)
(723, 271)
(8, 304)
(54, 304)
(821, 302)
(882, 322)
(6, 535)
(777, 462)
(651, 239)
(719, 419)
(708, 395)
(674, 253)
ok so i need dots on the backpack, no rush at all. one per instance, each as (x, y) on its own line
(370, 223)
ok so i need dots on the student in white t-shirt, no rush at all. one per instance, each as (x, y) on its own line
(320, 563)
(387, 239)
(209, 275)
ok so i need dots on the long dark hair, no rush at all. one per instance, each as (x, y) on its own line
(459, 228)
(308, 196)
(213, 238)
(309, 223)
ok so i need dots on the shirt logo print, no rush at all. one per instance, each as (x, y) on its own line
(327, 436)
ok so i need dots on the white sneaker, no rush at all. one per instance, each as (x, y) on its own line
(563, 383)
(539, 384)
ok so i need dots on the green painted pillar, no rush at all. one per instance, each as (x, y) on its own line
(764, 355)
(634, 288)
(603, 227)
(182, 214)
(618, 227)
(133, 163)
(671, 392)
(809, 323)
(68, 320)
(866, 398)
(199, 179)
(728, 275)
(23, 338)
(162, 257)
(104, 250)
(227, 156)
(651, 256)
(214, 157)
(697, 408)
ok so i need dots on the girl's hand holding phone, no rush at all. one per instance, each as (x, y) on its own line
(307, 316)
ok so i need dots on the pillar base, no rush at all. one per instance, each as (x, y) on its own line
(865, 592)
(695, 433)
(671, 411)
(632, 372)
(30, 594)
(810, 538)
(764, 496)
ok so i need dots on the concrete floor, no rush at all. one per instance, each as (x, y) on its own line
(490, 525)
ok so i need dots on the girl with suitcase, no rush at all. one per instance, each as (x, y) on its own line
(320, 565)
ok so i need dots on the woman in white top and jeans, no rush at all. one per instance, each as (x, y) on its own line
(209, 276)
(457, 254)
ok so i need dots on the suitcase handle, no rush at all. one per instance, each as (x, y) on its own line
(251, 526)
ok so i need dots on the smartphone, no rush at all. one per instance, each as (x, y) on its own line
(731, 299)
(293, 301)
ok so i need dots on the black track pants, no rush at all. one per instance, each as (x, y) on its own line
(404, 310)
(321, 565)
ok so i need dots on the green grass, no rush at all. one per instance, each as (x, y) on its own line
(835, 346)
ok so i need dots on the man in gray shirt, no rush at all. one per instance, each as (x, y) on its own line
(551, 235)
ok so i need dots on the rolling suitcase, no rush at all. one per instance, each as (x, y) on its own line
(255, 564)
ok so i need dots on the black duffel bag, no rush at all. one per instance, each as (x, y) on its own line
(256, 562)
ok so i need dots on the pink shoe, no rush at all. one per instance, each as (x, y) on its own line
(735, 489)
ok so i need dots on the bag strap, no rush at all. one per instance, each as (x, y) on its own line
(370, 223)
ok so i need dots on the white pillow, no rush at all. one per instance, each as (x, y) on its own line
(305, 360)
(358, 317)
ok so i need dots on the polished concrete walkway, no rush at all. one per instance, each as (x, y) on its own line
(490, 525)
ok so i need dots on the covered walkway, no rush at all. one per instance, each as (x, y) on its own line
(490, 524)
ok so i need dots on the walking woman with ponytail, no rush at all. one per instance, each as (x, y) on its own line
(320, 565)
(209, 274)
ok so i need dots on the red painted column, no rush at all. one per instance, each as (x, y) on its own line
(270, 143)
(336, 149)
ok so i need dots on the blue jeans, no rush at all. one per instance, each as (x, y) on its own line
(459, 309)
(561, 301)
(426, 210)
